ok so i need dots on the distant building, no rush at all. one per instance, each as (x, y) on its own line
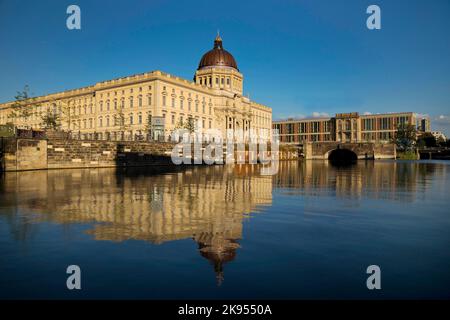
(424, 125)
(438, 135)
(343, 127)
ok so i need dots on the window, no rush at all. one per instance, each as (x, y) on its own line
(209, 109)
(140, 118)
(203, 107)
(369, 124)
(115, 104)
(189, 105)
(107, 121)
(164, 101)
(385, 123)
(101, 106)
(228, 81)
(149, 98)
(107, 105)
(181, 104)
(196, 107)
(131, 119)
(302, 128)
(100, 122)
(131, 101)
(210, 124)
(173, 119)
(140, 100)
(173, 102)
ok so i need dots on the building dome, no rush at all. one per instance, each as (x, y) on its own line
(217, 57)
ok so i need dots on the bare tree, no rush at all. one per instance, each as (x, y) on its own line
(22, 107)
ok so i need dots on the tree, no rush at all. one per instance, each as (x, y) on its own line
(189, 124)
(426, 140)
(405, 137)
(148, 124)
(22, 107)
(51, 120)
(180, 125)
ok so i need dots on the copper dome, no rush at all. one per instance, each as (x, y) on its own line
(217, 57)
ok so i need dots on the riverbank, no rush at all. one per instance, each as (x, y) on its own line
(20, 154)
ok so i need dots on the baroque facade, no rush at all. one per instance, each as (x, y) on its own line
(344, 127)
(126, 108)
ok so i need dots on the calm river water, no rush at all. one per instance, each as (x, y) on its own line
(227, 232)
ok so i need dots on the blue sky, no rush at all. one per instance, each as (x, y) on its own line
(298, 57)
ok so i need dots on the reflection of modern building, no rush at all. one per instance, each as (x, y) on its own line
(372, 180)
(206, 204)
(343, 127)
(123, 107)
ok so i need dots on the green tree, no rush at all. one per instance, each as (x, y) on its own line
(148, 124)
(426, 140)
(51, 120)
(189, 124)
(22, 107)
(406, 137)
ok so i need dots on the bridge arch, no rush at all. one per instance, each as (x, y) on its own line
(342, 156)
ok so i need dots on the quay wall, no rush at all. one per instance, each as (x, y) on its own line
(18, 154)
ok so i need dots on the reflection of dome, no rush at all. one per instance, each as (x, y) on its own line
(217, 57)
(218, 255)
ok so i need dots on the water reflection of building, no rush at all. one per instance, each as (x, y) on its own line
(207, 204)
(369, 179)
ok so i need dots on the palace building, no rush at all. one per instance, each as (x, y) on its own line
(344, 127)
(152, 104)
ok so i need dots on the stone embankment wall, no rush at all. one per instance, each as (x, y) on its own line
(18, 154)
(92, 154)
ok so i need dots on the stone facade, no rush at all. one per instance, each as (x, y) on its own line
(18, 154)
(365, 150)
(23, 154)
